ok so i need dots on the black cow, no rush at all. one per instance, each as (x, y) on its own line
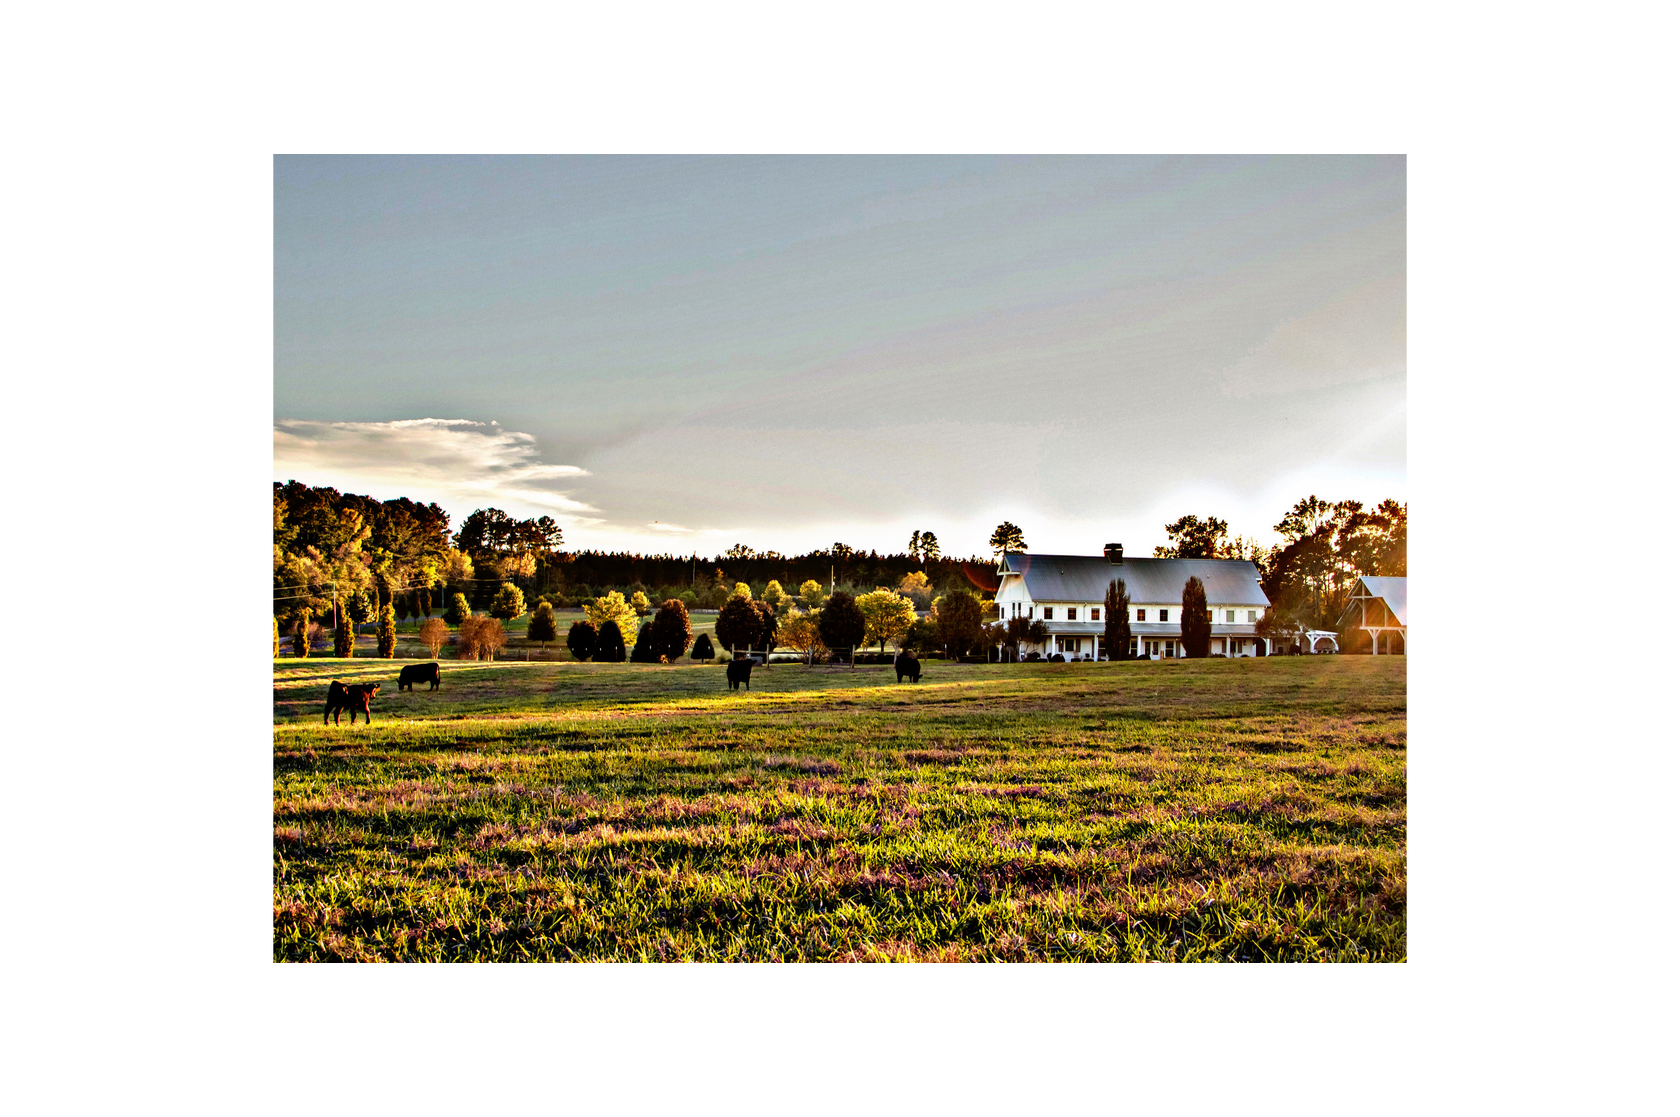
(740, 671)
(352, 698)
(907, 664)
(418, 673)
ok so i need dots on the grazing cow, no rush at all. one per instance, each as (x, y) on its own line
(740, 671)
(907, 664)
(352, 698)
(417, 673)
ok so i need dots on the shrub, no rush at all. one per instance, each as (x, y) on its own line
(841, 623)
(300, 635)
(387, 632)
(609, 644)
(434, 634)
(703, 648)
(1195, 623)
(671, 631)
(922, 636)
(580, 640)
(458, 611)
(689, 598)
(543, 628)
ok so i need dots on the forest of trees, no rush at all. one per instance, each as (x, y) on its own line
(368, 554)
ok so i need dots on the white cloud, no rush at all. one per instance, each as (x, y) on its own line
(457, 462)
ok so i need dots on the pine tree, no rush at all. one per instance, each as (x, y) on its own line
(387, 632)
(1195, 623)
(703, 648)
(1117, 620)
(300, 635)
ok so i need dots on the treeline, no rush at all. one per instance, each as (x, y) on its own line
(1309, 577)
(340, 554)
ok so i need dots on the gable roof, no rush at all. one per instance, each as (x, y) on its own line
(1148, 580)
(1391, 590)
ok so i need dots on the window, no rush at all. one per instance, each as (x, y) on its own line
(1049, 613)
(1230, 616)
(1140, 614)
(1163, 614)
(1073, 614)
(1251, 616)
(1096, 614)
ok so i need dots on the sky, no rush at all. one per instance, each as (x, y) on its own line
(678, 354)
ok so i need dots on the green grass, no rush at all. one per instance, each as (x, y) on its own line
(1249, 810)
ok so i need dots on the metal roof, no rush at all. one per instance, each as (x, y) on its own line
(1391, 590)
(1149, 581)
(1142, 628)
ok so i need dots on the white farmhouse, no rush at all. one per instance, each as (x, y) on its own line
(1066, 592)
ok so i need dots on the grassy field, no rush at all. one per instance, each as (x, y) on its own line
(1209, 810)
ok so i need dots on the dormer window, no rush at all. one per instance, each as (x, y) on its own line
(1163, 614)
(1096, 614)
(1073, 614)
(1230, 616)
(1140, 614)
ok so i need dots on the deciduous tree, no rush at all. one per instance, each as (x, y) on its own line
(738, 624)
(886, 616)
(611, 607)
(671, 631)
(1193, 537)
(841, 623)
(799, 631)
(639, 603)
(958, 616)
(434, 634)
(811, 593)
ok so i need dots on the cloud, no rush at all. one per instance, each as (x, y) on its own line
(1360, 335)
(456, 462)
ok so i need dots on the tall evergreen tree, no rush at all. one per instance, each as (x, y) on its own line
(1195, 624)
(542, 628)
(703, 649)
(643, 651)
(580, 640)
(671, 631)
(344, 638)
(387, 632)
(300, 635)
(1117, 619)
(277, 637)
(458, 610)
(609, 644)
